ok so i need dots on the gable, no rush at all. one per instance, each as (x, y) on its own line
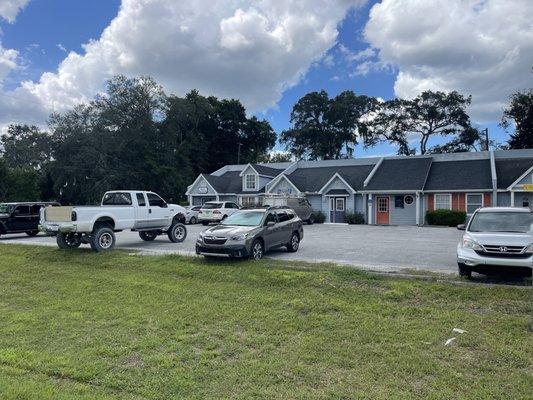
(508, 171)
(336, 184)
(283, 186)
(201, 187)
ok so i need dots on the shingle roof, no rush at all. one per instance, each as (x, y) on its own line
(268, 171)
(459, 175)
(400, 174)
(230, 182)
(313, 179)
(509, 170)
(340, 192)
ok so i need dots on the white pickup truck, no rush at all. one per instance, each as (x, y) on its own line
(144, 212)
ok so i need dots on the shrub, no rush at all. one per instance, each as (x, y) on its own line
(320, 217)
(445, 217)
(355, 218)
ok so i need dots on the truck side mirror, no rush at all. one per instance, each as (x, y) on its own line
(270, 224)
(461, 227)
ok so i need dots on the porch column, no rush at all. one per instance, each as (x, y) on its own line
(190, 200)
(512, 198)
(365, 207)
(370, 222)
(417, 208)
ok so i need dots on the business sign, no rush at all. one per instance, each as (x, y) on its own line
(528, 187)
(202, 190)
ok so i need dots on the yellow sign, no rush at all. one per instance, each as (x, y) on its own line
(528, 187)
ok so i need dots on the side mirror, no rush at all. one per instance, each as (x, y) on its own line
(461, 227)
(270, 224)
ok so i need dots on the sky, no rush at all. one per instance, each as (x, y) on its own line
(267, 53)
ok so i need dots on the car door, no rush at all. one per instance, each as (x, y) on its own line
(142, 217)
(284, 227)
(20, 219)
(270, 232)
(33, 222)
(158, 212)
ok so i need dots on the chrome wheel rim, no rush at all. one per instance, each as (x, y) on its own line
(295, 242)
(179, 232)
(105, 241)
(258, 251)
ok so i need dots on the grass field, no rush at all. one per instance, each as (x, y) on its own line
(99, 326)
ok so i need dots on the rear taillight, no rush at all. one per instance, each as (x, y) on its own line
(74, 216)
(216, 212)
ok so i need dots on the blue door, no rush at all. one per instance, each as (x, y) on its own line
(337, 209)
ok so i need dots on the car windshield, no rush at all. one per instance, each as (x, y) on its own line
(501, 222)
(6, 208)
(252, 218)
(211, 206)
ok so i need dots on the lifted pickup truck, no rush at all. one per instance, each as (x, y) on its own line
(144, 212)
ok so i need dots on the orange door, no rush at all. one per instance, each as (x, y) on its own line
(382, 210)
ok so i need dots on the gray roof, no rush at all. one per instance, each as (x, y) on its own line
(230, 182)
(340, 192)
(459, 175)
(509, 170)
(268, 171)
(400, 174)
(313, 179)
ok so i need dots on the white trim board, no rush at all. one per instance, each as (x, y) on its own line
(336, 175)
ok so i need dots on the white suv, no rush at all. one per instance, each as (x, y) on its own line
(497, 239)
(216, 211)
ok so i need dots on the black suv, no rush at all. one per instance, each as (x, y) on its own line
(21, 217)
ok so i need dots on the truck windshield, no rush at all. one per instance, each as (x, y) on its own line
(502, 222)
(211, 206)
(6, 208)
(252, 218)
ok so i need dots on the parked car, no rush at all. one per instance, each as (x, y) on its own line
(299, 204)
(251, 233)
(21, 217)
(497, 239)
(143, 212)
(191, 215)
(216, 211)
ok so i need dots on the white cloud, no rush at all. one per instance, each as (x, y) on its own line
(247, 49)
(62, 48)
(10, 8)
(8, 61)
(478, 47)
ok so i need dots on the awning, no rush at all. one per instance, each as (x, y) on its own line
(337, 192)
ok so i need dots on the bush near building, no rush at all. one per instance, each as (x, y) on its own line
(445, 217)
(355, 218)
(320, 217)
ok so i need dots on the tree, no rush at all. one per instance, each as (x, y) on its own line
(468, 140)
(428, 115)
(276, 157)
(520, 112)
(26, 146)
(325, 128)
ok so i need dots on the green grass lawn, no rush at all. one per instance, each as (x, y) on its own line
(98, 326)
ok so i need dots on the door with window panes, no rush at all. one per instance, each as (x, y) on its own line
(337, 209)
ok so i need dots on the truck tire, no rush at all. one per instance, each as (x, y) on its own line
(103, 239)
(67, 241)
(311, 220)
(177, 232)
(148, 236)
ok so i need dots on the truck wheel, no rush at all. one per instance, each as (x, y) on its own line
(148, 236)
(294, 243)
(464, 271)
(66, 241)
(192, 221)
(311, 220)
(103, 239)
(32, 233)
(177, 232)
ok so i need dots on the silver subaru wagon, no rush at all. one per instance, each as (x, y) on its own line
(251, 233)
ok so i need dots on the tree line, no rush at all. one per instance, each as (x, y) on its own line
(137, 137)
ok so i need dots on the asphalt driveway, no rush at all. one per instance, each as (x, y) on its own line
(384, 248)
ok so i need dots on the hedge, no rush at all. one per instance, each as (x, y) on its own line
(445, 217)
(355, 218)
(320, 217)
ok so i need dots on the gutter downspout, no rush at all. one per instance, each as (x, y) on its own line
(494, 179)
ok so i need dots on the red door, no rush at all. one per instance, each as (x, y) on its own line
(382, 210)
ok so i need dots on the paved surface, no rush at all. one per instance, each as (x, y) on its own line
(379, 248)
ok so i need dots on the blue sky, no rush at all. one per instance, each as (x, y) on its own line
(45, 32)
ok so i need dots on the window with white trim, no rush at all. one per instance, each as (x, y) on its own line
(443, 202)
(250, 182)
(473, 202)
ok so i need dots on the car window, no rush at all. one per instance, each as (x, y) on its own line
(282, 216)
(501, 222)
(290, 214)
(197, 208)
(117, 199)
(6, 208)
(140, 200)
(34, 210)
(233, 205)
(271, 217)
(211, 206)
(154, 200)
(22, 210)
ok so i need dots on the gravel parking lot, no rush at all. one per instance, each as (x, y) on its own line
(384, 248)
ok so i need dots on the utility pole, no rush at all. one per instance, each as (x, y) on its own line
(487, 139)
(239, 153)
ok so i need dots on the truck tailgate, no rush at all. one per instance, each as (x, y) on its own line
(58, 214)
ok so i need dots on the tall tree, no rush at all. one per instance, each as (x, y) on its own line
(468, 140)
(520, 114)
(26, 146)
(325, 128)
(427, 116)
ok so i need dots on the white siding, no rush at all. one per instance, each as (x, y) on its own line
(282, 186)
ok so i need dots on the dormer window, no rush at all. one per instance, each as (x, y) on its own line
(250, 182)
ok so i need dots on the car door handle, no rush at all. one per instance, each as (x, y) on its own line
(149, 211)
